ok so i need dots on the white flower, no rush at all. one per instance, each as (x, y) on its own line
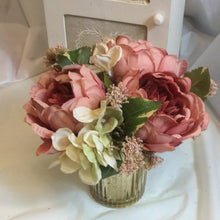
(73, 157)
(100, 145)
(84, 153)
(87, 115)
(104, 58)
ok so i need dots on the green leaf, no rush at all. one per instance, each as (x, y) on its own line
(107, 81)
(63, 60)
(200, 79)
(78, 56)
(83, 55)
(136, 112)
(109, 171)
(103, 76)
(73, 55)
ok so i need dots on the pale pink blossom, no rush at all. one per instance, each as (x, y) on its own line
(87, 88)
(143, 56)
(151, 73)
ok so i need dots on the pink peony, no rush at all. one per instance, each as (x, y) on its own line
(45, 119)
(53, 88)
(151, 73)
(88, 89)
(55, 96)
(181, 116)
(141, 55)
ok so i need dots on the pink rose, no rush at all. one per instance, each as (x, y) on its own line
(181, 116)
(87, 88)
(141, 55)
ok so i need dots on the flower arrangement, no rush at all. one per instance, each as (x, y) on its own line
(108, 109)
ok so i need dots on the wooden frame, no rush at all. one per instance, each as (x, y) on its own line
(165, 32)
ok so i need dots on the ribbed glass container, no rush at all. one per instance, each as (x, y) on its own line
(119, 191)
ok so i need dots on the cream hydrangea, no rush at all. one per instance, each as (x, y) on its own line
(84, 153)
(92, 147)
(106, 118)
(104, 58)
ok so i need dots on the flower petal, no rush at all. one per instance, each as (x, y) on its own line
(68, 166)
(74, 140)
(110, 160)
(115, 53)
(89, 153)
(60, 139)
(101, 61)
(73, 153)
(105, 58)
(46, 148)
(97, 142)
(88, 137)
(171, 64)
(84, 161)
(107, 127)
(91, 175)
(85, 115)
(105, 140)
(41, 131)
(54, 164)
(100, 48)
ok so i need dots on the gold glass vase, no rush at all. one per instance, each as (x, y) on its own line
(120, 190)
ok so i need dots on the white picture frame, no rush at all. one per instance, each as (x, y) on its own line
(162, 18)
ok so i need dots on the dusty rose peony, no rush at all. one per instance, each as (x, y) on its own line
(151, 73)
(45, 119)
(141, 55)
(181, 116)
(53, 88)
(88, 89)
(55, 96)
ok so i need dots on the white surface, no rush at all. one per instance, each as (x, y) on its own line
(184, 187)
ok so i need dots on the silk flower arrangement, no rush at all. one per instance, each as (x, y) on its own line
(108, 109)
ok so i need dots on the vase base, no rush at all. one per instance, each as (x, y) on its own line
(117, 204)
(119, 191)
